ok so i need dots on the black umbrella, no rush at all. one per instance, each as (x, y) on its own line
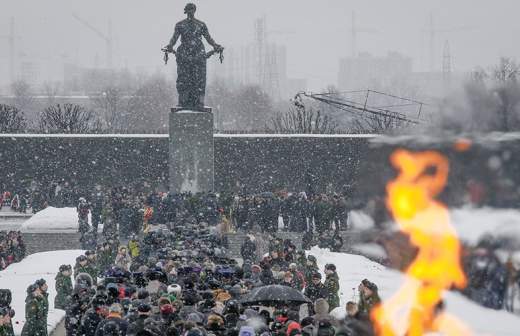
(274, 294)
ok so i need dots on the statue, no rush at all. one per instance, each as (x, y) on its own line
(191, 59)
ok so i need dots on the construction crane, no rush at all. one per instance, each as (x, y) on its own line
(387, 111)
(108, 38)
(433, 31)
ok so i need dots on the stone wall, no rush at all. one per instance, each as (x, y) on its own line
(243, 163)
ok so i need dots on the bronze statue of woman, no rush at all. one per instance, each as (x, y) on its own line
(191, 59)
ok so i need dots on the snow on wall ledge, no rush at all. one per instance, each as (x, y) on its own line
(52, 219)
(216, 135)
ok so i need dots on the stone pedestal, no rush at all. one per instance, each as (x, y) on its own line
(191, 151)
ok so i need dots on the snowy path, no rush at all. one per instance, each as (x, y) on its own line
(353, 268)
(17, 277)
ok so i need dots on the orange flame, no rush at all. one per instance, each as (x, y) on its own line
(413, 310)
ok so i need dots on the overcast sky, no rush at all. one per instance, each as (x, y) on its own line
(316, 32)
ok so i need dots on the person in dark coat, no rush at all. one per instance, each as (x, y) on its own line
(114, 324)
(315, 289)
(77, 306)
(136, 327)
(84, 265)
(6, 311)
(63, 286)
(94, 316)
(248, 249)
(35, 318)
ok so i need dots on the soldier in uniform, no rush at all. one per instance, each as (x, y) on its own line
(35, 313)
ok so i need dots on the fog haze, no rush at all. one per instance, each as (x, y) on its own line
(316, 33)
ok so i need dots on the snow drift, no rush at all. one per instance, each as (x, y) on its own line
(17, 277)
(353, 268)
(50, 219)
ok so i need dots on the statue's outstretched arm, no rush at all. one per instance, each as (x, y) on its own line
(207, 36)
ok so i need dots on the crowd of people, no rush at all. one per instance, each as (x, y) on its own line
(125, 211)
(178, 281)
(12, 248)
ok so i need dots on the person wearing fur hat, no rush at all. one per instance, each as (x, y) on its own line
(316, 289)
(83, 266)
(35, 316)
(63, 286)
(332, 285)
(368, 298)
(42, 284)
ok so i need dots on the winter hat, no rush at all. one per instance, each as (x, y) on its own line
(194, 332)
(309, 320)
(325, 329)
(316, 275)
(144, 308)
(370, 285)
(64, 268)
(247, 331)
(142, 294)
(321, 306)
(116, 308)
(174, 289)
(293, 266)
(194, 317)
(40, 282)
(311, 258)
(98, 301)
(32, 288)
(166, 309)
(293, 326)
(330, 267)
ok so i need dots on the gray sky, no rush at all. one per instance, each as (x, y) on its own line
(317, 32)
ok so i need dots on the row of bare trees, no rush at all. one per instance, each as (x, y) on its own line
(488, 101)
(59, 118)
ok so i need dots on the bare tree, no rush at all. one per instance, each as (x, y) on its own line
(51, 90)
(302, 120)
(12, 120)
(490, 101)
(66, 118)
(506, 71)
(377, 124)
(23, 95)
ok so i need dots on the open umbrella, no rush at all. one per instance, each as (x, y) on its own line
(274, 294)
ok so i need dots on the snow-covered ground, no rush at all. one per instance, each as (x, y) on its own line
(353, 268)
(53, 219)
(17, 277)
(471, 223)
